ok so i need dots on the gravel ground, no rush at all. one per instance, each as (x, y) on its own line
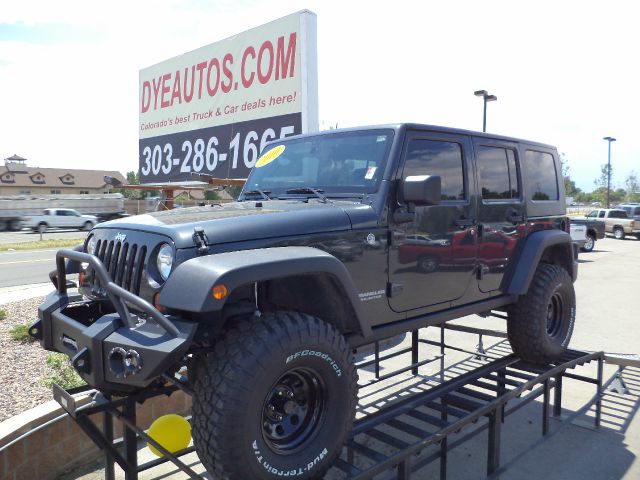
(23, 365)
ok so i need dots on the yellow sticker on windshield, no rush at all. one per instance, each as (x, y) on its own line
(270, 156)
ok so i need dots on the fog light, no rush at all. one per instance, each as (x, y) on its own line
(123, 363)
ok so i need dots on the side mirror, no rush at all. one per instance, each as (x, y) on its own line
(422, 189)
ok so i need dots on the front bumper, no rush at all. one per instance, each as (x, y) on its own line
(119, 351)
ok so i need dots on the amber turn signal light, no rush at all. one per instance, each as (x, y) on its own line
(156, 298)
(219, 292)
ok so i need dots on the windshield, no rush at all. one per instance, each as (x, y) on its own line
(340, 163)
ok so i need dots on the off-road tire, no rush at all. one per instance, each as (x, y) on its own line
(618, 233)
(237, 385)
(540, 324)
(589, 244)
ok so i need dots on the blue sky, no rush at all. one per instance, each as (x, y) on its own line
(565, 73)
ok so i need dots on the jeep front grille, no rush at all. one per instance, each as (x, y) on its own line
(124, 261)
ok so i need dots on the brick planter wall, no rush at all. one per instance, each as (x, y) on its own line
(44, 442)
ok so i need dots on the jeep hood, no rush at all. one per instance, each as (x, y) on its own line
(243, 221)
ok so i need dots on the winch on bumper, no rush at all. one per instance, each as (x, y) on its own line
(117, 351)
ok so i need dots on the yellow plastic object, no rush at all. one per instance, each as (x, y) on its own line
(270, 156)
(171, 431)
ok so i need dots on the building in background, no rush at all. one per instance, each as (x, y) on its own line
(16, 178)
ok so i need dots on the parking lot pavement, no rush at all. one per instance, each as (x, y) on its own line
(606, 320)
(30, 236)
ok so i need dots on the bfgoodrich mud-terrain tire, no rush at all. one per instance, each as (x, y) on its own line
(275, 399)
(540, 324)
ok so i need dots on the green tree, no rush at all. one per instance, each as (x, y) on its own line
(618, 195)
(601, 181)
(134, 179)
(583, 197)
(632, 187)
(211, 195)
(600, 195)
(569, 185)
(234, 191)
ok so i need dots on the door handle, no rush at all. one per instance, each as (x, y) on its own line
(514, 217)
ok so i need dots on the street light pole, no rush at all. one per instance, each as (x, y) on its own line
(609, 139)
(486, 98)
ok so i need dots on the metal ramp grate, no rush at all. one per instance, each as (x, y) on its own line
(390, 438)
(387, 443)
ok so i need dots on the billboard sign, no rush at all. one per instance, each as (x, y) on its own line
(211, 111)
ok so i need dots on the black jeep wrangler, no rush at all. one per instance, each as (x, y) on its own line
(338, 239)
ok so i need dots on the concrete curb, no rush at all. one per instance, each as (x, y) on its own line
(24, 292)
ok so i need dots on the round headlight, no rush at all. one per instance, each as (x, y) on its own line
(164, 260)
(91, 245)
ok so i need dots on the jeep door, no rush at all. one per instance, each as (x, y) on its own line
(501, 220)
(433, 248)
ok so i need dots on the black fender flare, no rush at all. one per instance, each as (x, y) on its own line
(517, 281)
(189, 287)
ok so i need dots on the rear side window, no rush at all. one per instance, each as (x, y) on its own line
(436, 157)
(542, 180)
(617, 214)
(497, 173)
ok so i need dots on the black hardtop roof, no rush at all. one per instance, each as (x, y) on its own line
(400, 127)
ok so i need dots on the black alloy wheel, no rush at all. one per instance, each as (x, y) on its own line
(293, 410)
(555, 314)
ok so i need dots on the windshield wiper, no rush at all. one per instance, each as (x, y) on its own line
(263, 193)
(316, 192)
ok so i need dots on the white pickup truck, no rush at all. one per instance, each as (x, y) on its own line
(616, 222)
(59, 218)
